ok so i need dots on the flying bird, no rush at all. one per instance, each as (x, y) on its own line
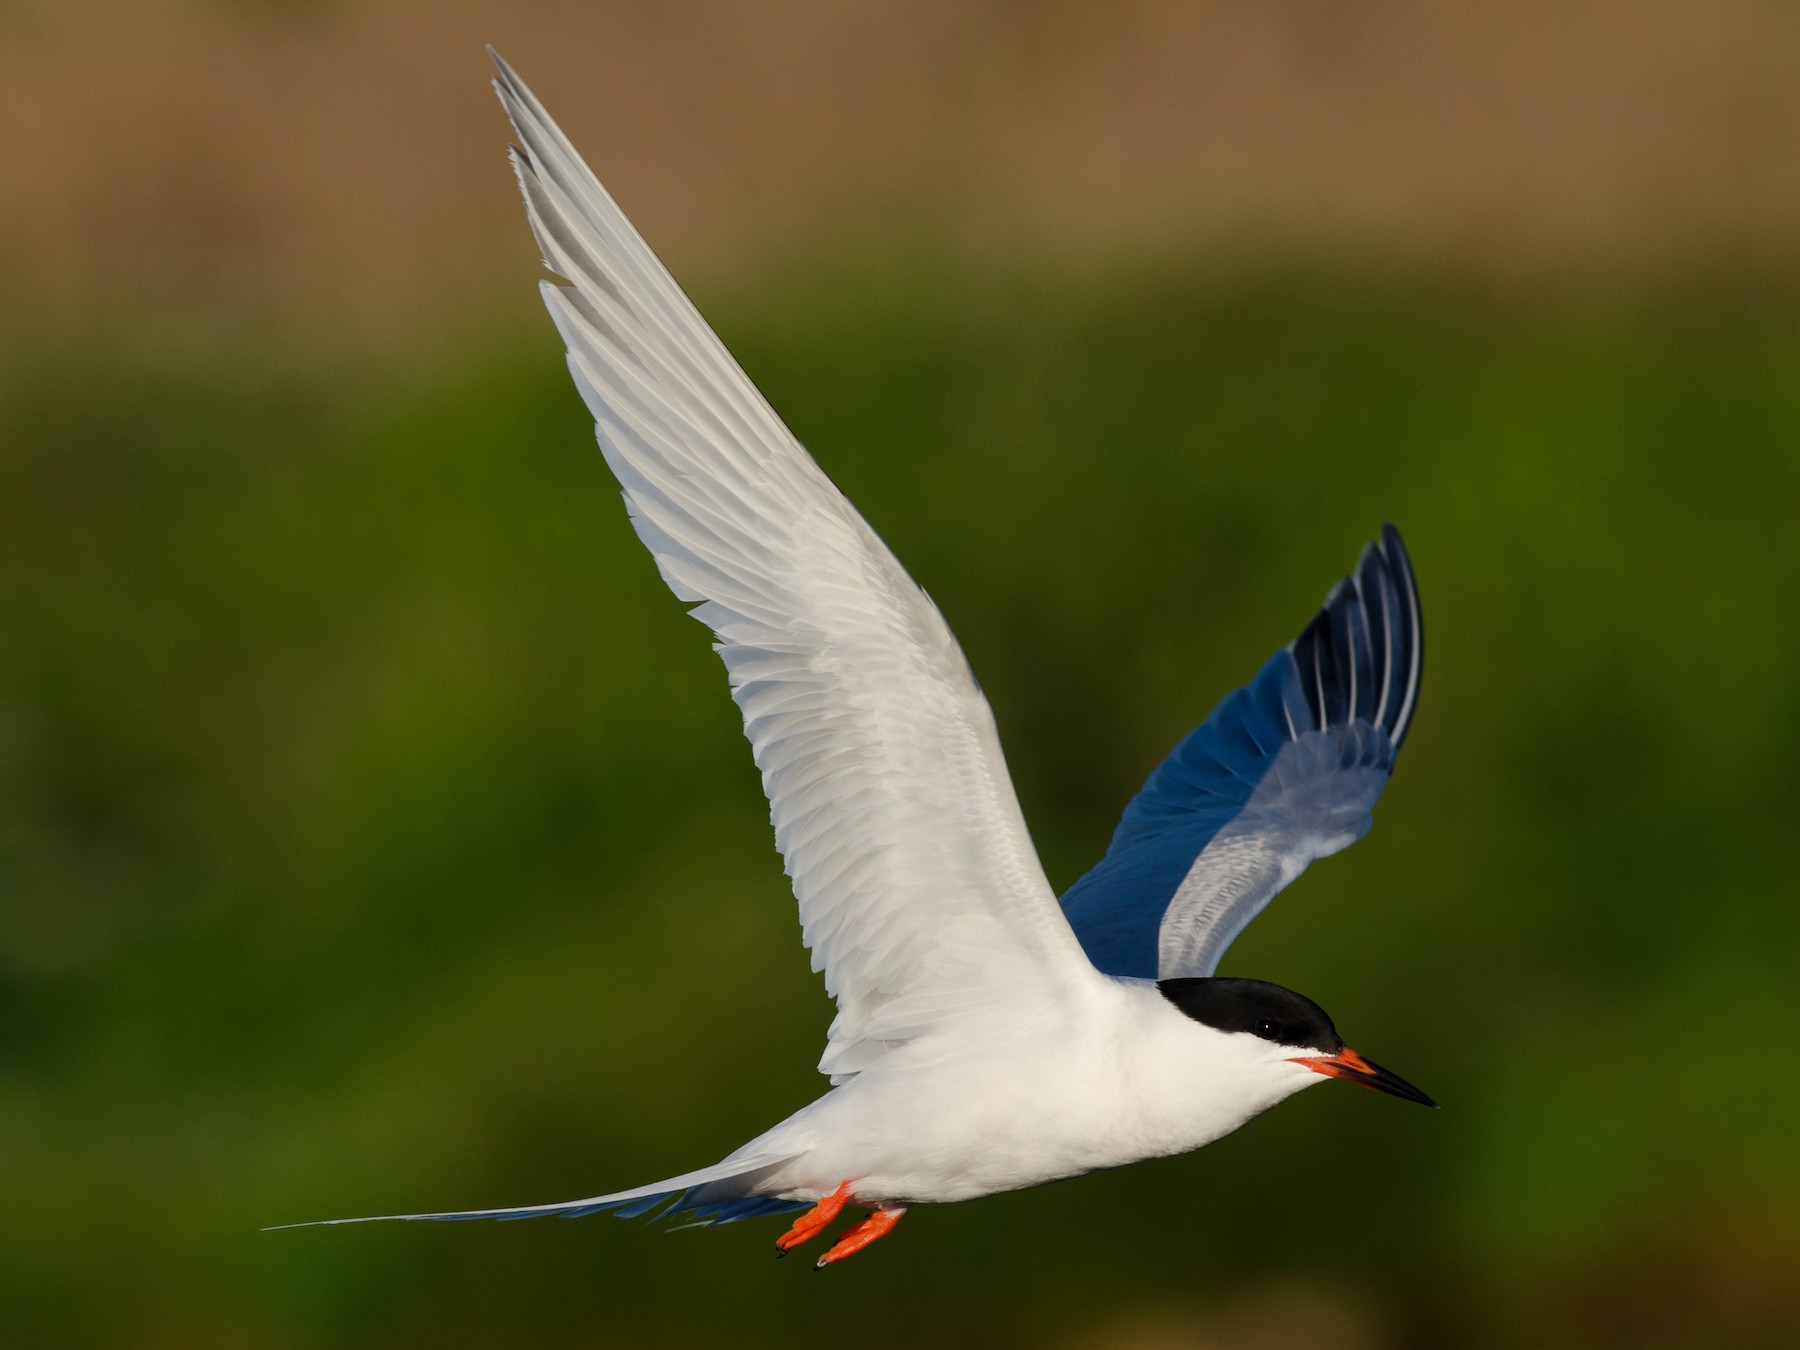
(987, 1037)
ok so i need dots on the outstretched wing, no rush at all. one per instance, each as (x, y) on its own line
(920, 894)
(1287, 769)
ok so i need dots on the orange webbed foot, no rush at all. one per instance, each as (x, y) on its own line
(877, 1225)
(810, 1224)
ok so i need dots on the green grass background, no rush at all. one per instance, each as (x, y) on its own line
(376, 834)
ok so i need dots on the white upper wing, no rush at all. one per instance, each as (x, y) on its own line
(920, 894)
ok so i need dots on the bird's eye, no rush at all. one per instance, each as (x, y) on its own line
(1266, 1029)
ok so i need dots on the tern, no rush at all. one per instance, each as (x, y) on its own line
(987, 1037)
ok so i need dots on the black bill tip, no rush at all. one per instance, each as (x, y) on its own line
(1352, 1067)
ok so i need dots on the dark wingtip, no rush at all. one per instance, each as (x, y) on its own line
(1400, 565)
(1361, 658)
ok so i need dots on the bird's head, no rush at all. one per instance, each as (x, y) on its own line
(1285, 1031)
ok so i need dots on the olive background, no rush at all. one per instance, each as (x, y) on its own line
(376, 833)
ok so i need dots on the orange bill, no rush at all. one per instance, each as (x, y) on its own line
(1347, 1064)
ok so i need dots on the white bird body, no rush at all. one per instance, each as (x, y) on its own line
(988, 1036)
(1112, 1077)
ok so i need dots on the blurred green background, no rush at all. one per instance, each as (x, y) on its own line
(376, 834)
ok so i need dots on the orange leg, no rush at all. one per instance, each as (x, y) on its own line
(810, 1224)
(878, 1224)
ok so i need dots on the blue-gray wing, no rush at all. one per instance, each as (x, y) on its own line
(1287, 769)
